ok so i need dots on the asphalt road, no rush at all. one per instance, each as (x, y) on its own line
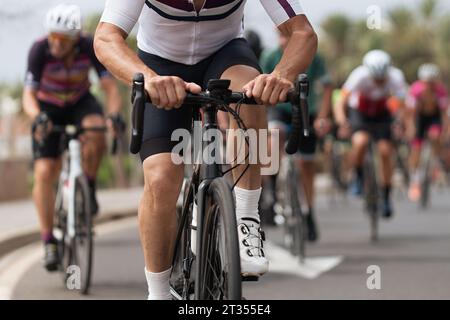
(411, 259)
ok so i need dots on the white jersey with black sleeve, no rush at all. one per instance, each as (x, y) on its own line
(175, 30)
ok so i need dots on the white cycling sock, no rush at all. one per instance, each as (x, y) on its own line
(247, 203)
(158, 285)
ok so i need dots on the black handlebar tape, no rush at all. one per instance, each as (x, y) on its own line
(298, 114)
(304, 92)
(294, 137)
(137, 115)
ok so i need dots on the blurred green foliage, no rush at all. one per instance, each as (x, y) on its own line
(411, 35)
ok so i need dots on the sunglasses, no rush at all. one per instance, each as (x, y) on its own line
(61, 37)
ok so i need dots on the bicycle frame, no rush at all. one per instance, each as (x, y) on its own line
(210, 101)
(75, 170)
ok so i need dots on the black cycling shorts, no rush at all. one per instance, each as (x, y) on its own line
(159, 123)
(378, 127)
(307, 145)
(53, 145)
(425, 122)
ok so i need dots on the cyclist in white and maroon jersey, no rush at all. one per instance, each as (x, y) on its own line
(183, 44)
(367, 92)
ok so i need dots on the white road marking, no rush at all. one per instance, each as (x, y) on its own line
(16, 264)
(282, 261)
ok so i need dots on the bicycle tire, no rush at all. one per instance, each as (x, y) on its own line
(182, 260)
(82, 244)
(219, 260)
(297, 224)
(426, 182)
(336, 168)
(371, 193)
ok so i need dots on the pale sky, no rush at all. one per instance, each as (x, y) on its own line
(21, 23)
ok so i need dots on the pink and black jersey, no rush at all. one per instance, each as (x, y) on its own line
(55, 83)
(417, 91)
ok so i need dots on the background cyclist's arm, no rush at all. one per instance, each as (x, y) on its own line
(30, 102)
(36, 58)
(322, 123)
(339, 110)
(113, 98)
(353, 83)
(325, 107)
(300, 50)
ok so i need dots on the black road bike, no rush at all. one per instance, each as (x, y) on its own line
(214, 272)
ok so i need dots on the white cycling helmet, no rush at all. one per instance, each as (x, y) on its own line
(428, 72)
(64, 19)
(378, 63)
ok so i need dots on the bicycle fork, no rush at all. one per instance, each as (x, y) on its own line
(75, 170)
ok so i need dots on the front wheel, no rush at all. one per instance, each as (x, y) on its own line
(82, 244)
(220, 274)
(371, 193)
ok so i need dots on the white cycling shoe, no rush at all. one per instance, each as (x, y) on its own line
(254, 262)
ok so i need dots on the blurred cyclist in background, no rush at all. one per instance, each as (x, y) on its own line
(254, 40)
(427, 107)
(57, 92)
(280, 118)
(366, 92)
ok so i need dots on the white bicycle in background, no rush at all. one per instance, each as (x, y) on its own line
(73, 220)
(73, 225)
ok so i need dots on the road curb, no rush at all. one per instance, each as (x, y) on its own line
(22, 238)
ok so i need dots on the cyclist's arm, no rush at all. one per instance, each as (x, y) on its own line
(300, 50)
(115, 54)
(30, 102)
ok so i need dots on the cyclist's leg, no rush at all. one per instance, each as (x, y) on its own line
(422, 124)
(434, 134)
(88, 113)
(237, 62)
(385, 150)
(46, 172)
(248, 189)
(383, 136)
(157, 219)
(278, 125)
(360, 140)
(47, 165)
(163, 177)
(253, 117)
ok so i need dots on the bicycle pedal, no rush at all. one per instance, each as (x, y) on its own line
(249, 278)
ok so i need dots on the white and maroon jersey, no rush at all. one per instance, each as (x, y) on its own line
(174, 30)
(371, 98)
